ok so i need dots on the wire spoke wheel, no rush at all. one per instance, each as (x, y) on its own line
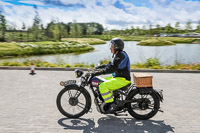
(73, 102)
(147, 105)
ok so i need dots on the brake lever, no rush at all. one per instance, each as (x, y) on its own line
(87, 75)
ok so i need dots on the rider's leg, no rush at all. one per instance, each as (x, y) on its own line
(111, 84)
(105, 89)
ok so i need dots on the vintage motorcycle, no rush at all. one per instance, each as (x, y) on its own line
(74, 100)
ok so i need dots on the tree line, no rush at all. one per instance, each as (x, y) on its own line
(56, 30)
(168, 29)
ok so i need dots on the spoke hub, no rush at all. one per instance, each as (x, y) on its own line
(73, 101)
(144, 105)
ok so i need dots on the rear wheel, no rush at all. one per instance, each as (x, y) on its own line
(73, 102)
(147, 105)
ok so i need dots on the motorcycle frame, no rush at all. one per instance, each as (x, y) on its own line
(132, 87)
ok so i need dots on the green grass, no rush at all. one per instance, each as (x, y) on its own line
(125, 38)
(155, 42)
(149, 64)
(178, 39)
(141, 38)
(197, 41)
(41, 48)
(91, 41)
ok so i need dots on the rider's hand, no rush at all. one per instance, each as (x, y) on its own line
(95, 73)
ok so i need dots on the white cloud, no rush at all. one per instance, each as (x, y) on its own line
(70, 1)
(162, 12)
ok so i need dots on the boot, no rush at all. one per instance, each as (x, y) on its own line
(112, 108)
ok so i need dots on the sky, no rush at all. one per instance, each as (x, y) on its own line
(112, 14)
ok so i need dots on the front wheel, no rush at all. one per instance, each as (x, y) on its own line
(147, 105)
(73, 102)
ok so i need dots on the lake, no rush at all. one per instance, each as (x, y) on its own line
(167, 55)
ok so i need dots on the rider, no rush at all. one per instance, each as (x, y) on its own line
(120, 68)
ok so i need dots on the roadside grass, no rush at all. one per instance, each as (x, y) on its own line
(149, 64)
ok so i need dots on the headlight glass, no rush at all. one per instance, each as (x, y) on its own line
(78, 73)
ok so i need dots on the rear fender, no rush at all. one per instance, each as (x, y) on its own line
(159, 94)
(149, 90)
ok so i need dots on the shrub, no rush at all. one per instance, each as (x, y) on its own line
(152, 62)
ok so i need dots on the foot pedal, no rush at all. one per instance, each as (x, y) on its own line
(116, 114)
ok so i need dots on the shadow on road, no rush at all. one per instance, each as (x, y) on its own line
(112, 124)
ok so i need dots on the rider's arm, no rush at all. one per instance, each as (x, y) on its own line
(100, 67)
(103, 66)
(112, 67)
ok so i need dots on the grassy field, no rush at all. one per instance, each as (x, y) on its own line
(125, 38)
(91, 41)
(155, 42)
(41, 48)
(141, 38)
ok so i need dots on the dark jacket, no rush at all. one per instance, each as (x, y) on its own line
(120, 66)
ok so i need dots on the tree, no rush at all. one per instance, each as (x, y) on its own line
(54, 31)
(36, 25)
(90, 30)
(99, 29)
(158, 29)
(150, 30)
(143, 30)
(23, 26)
(168, 29)
(63, 30)
(132, 30)
(138, 30)
(198, 28)
(188, 27)
(2, 27)
(177, 28)
(75, 29)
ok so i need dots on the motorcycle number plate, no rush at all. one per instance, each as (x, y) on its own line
(70, 82)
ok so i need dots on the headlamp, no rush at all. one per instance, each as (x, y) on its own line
(78, 73)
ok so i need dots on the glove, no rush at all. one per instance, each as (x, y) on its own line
(101, 66)
(96, 73)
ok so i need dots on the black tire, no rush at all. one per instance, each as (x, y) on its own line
(73, 101)
(132, 112)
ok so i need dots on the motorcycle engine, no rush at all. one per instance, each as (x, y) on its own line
(104, 107)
